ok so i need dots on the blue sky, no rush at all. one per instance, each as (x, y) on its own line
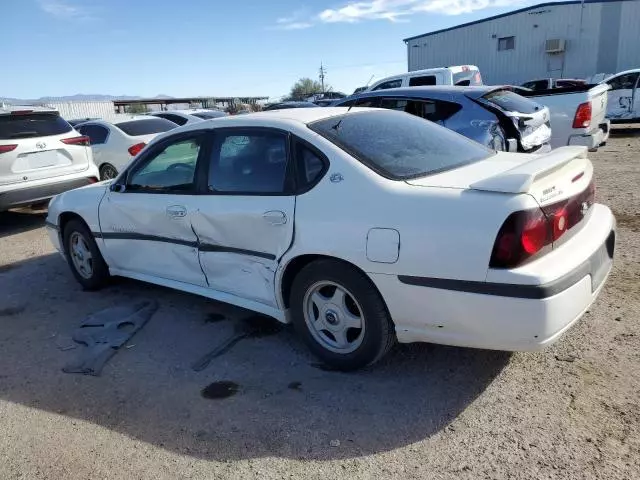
(213, 47)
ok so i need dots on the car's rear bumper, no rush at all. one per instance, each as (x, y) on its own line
(21, 195)
(593, 139)
(499, 316)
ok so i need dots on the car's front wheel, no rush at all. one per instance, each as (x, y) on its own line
(340, 315)
(108, 171)
(83, 256)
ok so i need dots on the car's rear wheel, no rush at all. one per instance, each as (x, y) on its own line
(340, 315)
(108, 171)
(84, 257)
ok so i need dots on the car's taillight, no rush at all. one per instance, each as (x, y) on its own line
(83, 140)
(522, 235)
(528, 232)
(583, 116)
(135, 149)
(7, 148)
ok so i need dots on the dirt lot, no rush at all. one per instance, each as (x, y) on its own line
(571, 412)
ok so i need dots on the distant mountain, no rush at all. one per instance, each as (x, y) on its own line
(74, 98)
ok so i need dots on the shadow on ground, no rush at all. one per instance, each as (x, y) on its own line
(19, 221)
(624, 131)
(284, 405)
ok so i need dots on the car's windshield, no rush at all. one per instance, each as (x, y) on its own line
(135, 128)
(13, 127)
(398, 145)
(467, 77)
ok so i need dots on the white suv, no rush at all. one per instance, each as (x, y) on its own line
(41, 155)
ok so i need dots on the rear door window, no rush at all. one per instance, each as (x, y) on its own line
(422, 81)
(399, 146)
(97, 134)
(433, 110)
(15, 127)
(624, 82)
(511, 102)
(390, 84)
(135, 128)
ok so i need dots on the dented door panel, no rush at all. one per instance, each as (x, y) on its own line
(241, 239)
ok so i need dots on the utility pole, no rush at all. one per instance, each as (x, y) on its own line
(322, 72)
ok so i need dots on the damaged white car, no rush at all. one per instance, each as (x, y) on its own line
(361, 227)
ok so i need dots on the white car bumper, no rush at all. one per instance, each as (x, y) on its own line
(593, 139)
(498, 316)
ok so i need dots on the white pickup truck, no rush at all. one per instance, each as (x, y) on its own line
(577, 114)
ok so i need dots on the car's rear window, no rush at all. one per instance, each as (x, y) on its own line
(512, 102)
(398, 145)
(467, 77)
(135, 128)
(13, 127)
(209, 115)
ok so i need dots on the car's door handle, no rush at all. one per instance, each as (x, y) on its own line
(176, 211)
(275, 217)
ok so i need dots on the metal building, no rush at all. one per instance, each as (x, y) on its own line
(569, 39)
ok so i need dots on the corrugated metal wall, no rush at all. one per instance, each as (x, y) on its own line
(478, 44)
(629, 47)
(71, 110)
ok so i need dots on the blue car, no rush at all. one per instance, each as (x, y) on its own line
(493, 116)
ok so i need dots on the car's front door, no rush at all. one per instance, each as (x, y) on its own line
(146, 217)
(245, 213)
(620, 100)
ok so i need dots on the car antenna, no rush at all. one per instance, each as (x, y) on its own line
(337, 125)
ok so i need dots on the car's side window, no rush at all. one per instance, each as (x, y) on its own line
(361, 102)
(171, 168)
(433, 110)
(97, 134)
(250, 162)
(310, 166)
(390, 84)
(624, 82)
(422, 81)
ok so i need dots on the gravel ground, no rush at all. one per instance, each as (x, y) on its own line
(426, 411)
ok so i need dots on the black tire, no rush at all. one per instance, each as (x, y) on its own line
(106, 170)
(378, 336)
(100, 272)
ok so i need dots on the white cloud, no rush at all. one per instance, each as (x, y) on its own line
(64, 10)
(390, 10)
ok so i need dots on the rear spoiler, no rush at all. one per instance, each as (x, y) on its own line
(519, 179)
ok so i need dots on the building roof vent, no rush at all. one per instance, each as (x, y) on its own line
(554, 45)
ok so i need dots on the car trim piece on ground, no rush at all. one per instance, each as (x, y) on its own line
(593, 266)
(202, 247)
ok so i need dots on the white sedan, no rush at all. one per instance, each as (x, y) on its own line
(361, 227)
(115, 144)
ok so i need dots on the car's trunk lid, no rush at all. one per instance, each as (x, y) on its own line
(549, 178)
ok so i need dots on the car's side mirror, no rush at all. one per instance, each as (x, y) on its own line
(117, 187)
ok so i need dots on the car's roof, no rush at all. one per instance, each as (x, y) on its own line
(633, 70)
(8, 109)
(438, 91)
(116, 122)
(275, 118)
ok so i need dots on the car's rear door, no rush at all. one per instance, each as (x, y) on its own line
(39, 145)
(98, 135)
(244, 217)
(146, 218)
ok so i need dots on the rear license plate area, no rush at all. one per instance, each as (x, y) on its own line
(42, 159)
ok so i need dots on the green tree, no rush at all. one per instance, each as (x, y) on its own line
(305, 87)
(138, 108)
